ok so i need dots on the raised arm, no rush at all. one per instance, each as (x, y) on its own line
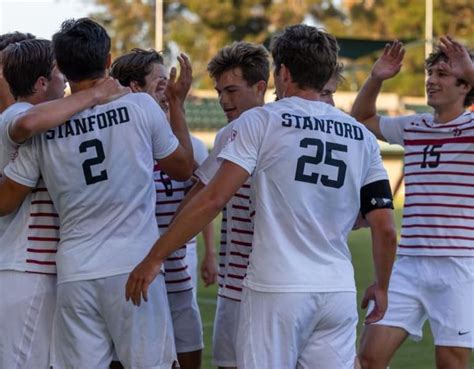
(460, 63)
(48, 115)
(176, 92)
(387, 66)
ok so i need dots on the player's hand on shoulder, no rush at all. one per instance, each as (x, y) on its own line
(140, 279)
(109, 89)
(380, 298)
(459, 62)
(390, 62)
(177, 89)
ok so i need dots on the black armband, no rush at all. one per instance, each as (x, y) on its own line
(375, 195)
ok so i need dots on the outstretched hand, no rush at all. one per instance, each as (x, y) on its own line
(380, 299)
(389, 64)
(109, 89)
(140, 279)
(177, 89)
(459, 62)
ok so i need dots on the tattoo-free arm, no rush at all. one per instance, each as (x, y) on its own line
(51, 114)
(12, 195)
(384, 246)
(199, 212)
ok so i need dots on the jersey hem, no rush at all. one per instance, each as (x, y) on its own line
(441, 253)
(95, 275)
(297, 289)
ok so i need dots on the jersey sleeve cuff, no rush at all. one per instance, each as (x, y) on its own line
(236, 160)
(202, 177)
(19, 179)
(174, 145)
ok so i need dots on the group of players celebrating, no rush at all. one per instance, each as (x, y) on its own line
(102, 192)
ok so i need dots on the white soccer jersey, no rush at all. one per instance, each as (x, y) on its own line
(169, 194)
(308, 162)
(438, 216)
(28, 237)
(236, 227)
(98, 167)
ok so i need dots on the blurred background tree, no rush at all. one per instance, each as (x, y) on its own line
(201, 27)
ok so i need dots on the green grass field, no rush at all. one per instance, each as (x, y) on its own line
(412, 355)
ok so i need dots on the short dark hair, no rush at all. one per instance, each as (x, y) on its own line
(435, 57)
(135, 66)
(81, 48)
(9, 38)
(252, 59)
(309, 53)
(338, 73)
(24, 62)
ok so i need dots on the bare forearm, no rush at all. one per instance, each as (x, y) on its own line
(48, 115)
(12, 195)
(384, 245)
(198, 186)
(179, 126)
(208, 238)
(187, 224)
(364, 106)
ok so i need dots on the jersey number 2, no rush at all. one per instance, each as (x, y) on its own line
(323, 151)
(87, 164)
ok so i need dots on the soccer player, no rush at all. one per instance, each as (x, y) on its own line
(312, 169)
(97, 167)
(6, 98)
(240, 73)
(433, 277)
(29, 237)
(144, 71)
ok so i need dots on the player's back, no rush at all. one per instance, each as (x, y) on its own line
(98, 167)
(312, 162)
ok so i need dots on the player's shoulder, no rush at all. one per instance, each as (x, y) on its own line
(139, 99)
(13, 110)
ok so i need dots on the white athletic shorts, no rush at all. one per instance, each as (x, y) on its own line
(186, 321)
(93, 320)
(297, 330)
(27, 303)
(437, 288)
(192, 261)
(224, 337)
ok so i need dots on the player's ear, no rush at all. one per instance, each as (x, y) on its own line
(135, 87)
(41, 84)
(261, 88)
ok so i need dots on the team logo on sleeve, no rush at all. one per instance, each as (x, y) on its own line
(15, 154)
(233, 135)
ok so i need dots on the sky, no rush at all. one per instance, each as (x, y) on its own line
(40, 17)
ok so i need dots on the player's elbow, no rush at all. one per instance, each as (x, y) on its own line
(388, 233)
(216, 202)
(23, 128)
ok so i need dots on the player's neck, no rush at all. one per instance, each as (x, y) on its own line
(307, 94)
(445, 114)
(83, 85)
(32, 99)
